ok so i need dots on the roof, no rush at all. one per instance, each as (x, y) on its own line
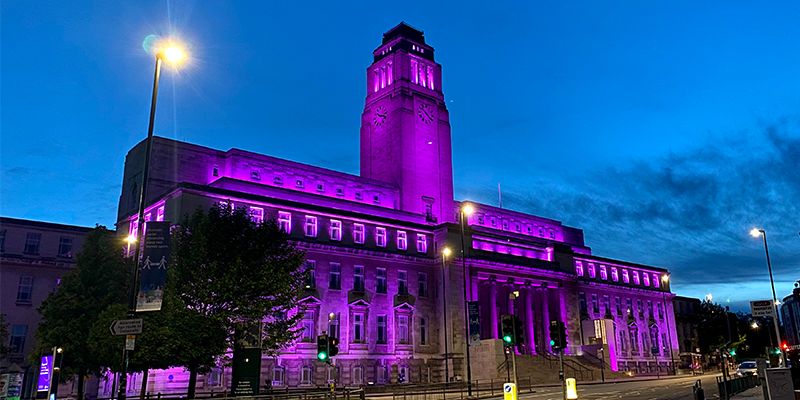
(404, 30)
(43, 224)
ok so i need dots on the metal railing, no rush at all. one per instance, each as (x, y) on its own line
(730, 387)
(317, 393)
(571, 367)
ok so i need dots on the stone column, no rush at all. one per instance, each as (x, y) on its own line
(531, 339)
(493, 308)
(546, 319)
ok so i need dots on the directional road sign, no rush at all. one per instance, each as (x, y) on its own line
(122, 327)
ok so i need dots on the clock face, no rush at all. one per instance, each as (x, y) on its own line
(425, 113)
(380, 116)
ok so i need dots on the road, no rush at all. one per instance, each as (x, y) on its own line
(664, 389)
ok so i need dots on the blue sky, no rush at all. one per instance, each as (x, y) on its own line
(665, 129)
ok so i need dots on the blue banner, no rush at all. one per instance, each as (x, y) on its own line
(153, 267)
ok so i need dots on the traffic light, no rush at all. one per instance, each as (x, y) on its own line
(732, 352)
(323, 351)
(558, 335)
(785, 345)
(507, 330)
(333, 347)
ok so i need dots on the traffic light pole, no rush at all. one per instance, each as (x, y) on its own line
(561, 373)
(513, 297)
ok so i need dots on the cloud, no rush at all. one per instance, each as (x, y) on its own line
(690, 211)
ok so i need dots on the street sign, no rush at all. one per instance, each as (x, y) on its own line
(124, 327)
(130, 342)
(509, 391)
(762, 308)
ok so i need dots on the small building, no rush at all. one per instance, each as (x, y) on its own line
(790, 315)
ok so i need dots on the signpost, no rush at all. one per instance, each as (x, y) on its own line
(474, 323)
(125, 327)
(762, 308)
(509, 391)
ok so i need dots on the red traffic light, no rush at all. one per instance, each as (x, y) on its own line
(785, 345)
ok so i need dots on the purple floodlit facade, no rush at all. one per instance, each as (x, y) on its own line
(375, 244)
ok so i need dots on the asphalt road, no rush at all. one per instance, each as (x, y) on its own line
(664, 389)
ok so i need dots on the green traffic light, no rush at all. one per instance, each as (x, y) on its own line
(732, 352)
(507, 339)
(552, 343)
(322, 356)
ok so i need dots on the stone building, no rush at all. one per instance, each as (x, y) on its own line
(375, 244)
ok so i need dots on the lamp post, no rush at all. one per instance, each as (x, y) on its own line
(756, 232)
(664, 285)
(172, 52)
(446, 252)
(465, 211)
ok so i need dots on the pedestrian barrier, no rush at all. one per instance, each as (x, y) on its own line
(730, 387)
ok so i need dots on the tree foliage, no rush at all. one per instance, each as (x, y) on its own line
(229, 268)
(98, 281)
(4, 337)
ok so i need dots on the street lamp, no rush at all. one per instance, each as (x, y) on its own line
(173, 52)
(466, 210)
(756, 232)
(754, 325)
(446, 252)
(665, 287)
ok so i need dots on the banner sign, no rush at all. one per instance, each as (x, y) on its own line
(474, 323)
(762, 308)
(246, 371)
(45, 372)
(13, 386)
(153, 267)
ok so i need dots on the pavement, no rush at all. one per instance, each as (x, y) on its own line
(671, 388)
(756, 393)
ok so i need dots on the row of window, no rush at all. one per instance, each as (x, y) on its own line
(33, 241)
(133, 228)
(382, 76)
(641, 343)
(335, 230)
(422, 74)
(601, 306)
(358, 328)
(506, 226)
(334, 372)
(359, 279)
(643, 278)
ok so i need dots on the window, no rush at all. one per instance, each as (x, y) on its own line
(358, 233)
(335, 230)
(311, 278)
(650, 309)
(308, 328)
(578, 268)
(359, 196)
(422, 243)
(646, 279)
(603, 273)
(422, 284)
(2, 240)
(629, 307)
(376, 199)
(214, 172)
(255, 175)
(285, 221)
(335, 278)
(277, 376)
(257, 214)
(402, 329)
(16, 344)
(339, 191)
(381, 329)
(660, 311)
(305, 376)
(358, 278)
(617, 306)
(634, 338)
(358, 375)
(582, 304)
(311, 226)
(517, 228)
(358, 327)
(402, 240)
(595, 306)
(32, 243)
(298, 183)
(505, 225)
(656, 282)
(380, 236)
(380, 280)
(277, 180)
(333, 326)
(160, 213)
(383, 374)
(25, 289)
(625, 277)
(614, 274)
(320, 187)
(592, 272)
(65, 247)
(402, 282)
(639, 308)
(423, 331)
(635, 277)
(552, 234)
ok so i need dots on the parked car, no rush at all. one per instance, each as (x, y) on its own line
(746, 368)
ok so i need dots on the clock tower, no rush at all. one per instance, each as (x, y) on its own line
(405, 126)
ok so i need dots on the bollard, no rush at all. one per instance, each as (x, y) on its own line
(699, 394)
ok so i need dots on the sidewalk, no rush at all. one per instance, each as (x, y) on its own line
(755, 393)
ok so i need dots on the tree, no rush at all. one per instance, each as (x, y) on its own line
(99, 280)
(230, 269)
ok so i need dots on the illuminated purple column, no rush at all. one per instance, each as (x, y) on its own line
(529, 320)
(545, 317)
(474, 283)
(493, 308)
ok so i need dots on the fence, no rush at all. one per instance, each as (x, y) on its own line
(730, 387)
(272, 394)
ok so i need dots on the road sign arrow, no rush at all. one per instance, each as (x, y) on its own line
(122, 327)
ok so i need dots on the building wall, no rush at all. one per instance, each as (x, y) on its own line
(790, 315)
